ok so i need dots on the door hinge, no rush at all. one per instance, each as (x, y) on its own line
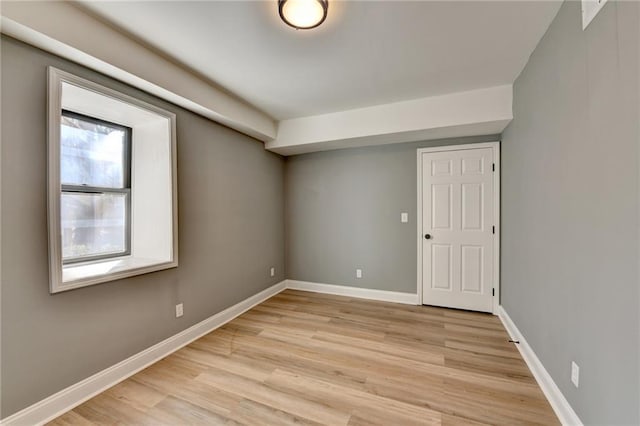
(493, 291)
(493, 229)
(493, 166)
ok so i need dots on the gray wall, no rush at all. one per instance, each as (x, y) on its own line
(343, 212)
(570, 209)
(231, 231)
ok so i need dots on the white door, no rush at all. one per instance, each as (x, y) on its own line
(458, 228)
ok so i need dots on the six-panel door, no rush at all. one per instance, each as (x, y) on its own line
(457, 234)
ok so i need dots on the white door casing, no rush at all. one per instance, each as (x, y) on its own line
(458, 213)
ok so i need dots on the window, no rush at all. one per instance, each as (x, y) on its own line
(95, 171)
(112, 184)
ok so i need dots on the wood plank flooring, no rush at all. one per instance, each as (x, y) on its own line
(308, 359)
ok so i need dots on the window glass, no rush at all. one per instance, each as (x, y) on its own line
(94, 172)
(92, 153)
(93, 224)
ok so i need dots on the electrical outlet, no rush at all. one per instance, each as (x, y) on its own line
(575, 374)
(404, 217)
(273, 271)
(179, 310)
(358, 273)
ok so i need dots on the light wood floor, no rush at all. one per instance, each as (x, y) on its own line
(305, 358)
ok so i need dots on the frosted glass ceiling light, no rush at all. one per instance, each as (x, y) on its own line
(303, 14)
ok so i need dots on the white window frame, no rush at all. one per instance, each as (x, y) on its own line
(157, 132)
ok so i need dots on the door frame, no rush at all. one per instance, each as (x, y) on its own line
(495, 147)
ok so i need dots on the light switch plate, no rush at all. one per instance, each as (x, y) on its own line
(575, 374)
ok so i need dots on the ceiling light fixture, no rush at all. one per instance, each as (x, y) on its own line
(303, 14)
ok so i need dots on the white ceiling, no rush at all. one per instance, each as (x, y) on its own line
(366, 53)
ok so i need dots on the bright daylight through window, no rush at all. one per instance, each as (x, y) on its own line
(95, 175)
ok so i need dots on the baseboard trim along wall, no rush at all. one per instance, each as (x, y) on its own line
(362, 293)
(558, 402)
(65, 400)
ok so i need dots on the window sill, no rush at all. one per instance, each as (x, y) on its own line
(83, 274)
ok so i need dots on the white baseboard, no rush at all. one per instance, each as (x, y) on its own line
(362, 293)
(65, 400)
(557, 400)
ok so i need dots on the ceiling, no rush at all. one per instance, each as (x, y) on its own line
(366, 53)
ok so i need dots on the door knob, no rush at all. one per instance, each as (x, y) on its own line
(427, 236)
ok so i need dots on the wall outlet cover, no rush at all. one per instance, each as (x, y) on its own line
(179, 310)
(273, 271)
(404, 217)
(358, 273)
